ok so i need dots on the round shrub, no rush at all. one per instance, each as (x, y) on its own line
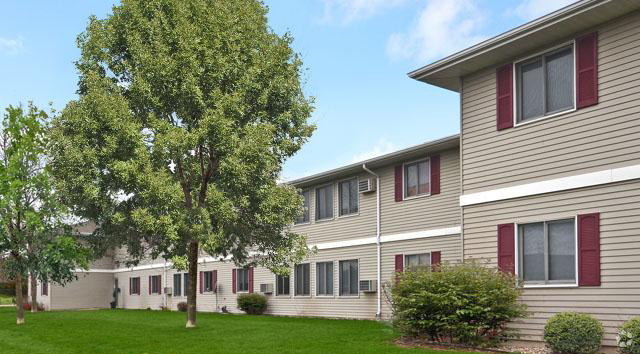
(573, 333)
(465, 303)
(253, 304)
(629, 337)
(182, 306)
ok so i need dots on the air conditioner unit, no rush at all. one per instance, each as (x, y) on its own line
(168, 291)
(367, 185)
(368, 286)
(266, 288)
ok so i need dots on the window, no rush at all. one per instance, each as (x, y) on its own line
(135, 286)
(302, 279)
(545, 84)
(304, 218)
(208, 281)
(349, 278)
(416, 261)
(45, 289)
(177, 285)
(416, 178)
(242, 281)
(155, 284)
(324, 279)
(324, 202)
(547, 252)
(186, 283)
(348, 192)
(282, 285)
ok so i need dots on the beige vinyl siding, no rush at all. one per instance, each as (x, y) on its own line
(602, 136)
(618, 298)
(90, 290)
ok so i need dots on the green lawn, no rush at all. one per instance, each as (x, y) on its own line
(141, 331)
(6, 299)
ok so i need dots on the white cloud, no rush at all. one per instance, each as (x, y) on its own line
(11, 45)
(442, 27)
(531, 9)
(347, 11)
(383, 146)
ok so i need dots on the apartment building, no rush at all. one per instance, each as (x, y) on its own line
(550, 159)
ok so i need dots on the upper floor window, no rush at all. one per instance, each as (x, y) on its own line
(324, 202)
(545, 84)
(243, 279)
(416, 178)
(348, 192)
(304, 218)
(177, 285)
(547, 252)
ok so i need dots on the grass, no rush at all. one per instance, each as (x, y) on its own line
(143, 331)
(6, 299)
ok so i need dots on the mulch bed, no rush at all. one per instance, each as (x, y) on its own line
(421, 343)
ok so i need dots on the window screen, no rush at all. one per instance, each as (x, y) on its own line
(324, 278)
(282, 285)
(547, 252)
(416, 261)
(324, 202)
(242, 279)
(177, 285)
(304, 218)
(416, 178)
(348, 191)
(349, 277)
(302, 279)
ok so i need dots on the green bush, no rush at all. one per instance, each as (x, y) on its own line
(465, 303)
(253, 304)
(573, 333)
(629, 337)
(182, 306)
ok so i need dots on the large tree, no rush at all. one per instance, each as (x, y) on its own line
(187, 111)
(32, 232)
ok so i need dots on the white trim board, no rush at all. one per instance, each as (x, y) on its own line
(612, 175)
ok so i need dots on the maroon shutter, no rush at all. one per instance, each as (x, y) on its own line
(504, 96)
(435, 259)
(587, 70)
(250, 279)
(149, 285)
(215, 280)
(399, 262)
(506, 248)
(398, 186)
(201, 282)
(160, 284)
(435, 174)
(130, 285)
(589, 249)
(233, 281)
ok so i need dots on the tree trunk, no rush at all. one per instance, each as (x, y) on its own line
(19, 301)
(193, 279)
(34, 293)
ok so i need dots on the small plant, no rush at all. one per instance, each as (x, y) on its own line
(253, 304)
(182, 306)
(628, 338)
(573, 333)
(40, 306)
(164, 308)
(26, 306)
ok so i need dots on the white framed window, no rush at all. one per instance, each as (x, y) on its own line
(416, 178)
(242, 280)
(546, 252)
(348, 274)
(324, 279)
(417, 261)
(155, 284)
(177, 285)
(348, 196)
(282, 285)
(302, 278)
(305, 217)
(324, 202)
(185, 277)
(545, 84)
(135, 286)
(207, 282)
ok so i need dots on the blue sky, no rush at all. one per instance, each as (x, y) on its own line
(356, 55)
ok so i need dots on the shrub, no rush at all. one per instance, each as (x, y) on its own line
(26, 306)
(573, 333)
(182, 306)
(465, 303)
(253, 304)
(40, 306)
(629, 337)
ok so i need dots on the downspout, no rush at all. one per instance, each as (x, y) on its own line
(378, 246)
(461, 180)
(164, 291)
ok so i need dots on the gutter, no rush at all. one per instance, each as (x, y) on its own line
(378, 244)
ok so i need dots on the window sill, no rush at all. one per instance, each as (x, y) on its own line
(526, 122)
(546, 286)
(346, 216)
(302, 296)
(416, 197)
(349, 296)
(325, 296)
(302, 223)
(324, 220)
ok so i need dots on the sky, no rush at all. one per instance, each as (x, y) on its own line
(356, 55)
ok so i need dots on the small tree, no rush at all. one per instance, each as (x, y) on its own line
(31, 234)
(187, 111)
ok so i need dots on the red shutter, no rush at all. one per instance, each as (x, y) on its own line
(130, 281)
(504, 96)
(160, 284)
(399, 264)
(435, 174)
(215, 280)
(233, 281)
(506, 248)
(398, 186)
(589, 249)
(149, 285)
(201, 282)
(587, 70)
(435, 259)
(250, 279)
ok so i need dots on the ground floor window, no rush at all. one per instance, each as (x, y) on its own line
(243, 279)
(282, 285)
(177, 284)
(208, 281)
(547, 252)
(155, 284)
(303, 279)
(324, 278)
(349, 278)
(417, 261)
(45, 289)
(134, 286)
(185, 277)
